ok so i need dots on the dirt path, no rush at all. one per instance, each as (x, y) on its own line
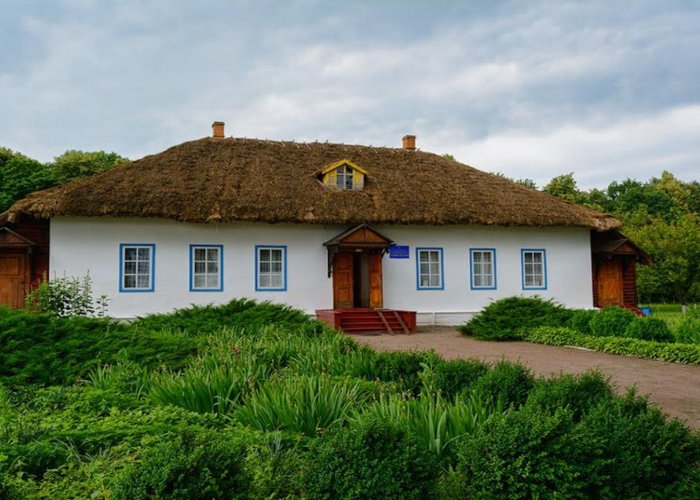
(674, 387)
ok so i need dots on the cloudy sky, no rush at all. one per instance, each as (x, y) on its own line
(606, 90)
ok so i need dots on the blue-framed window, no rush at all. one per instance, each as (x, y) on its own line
(429, 269)
(534, 268)
(270, 268)
(206, 268)
(137, 272)
(482, 264)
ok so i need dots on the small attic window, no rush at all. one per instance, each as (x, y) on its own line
(344, 175)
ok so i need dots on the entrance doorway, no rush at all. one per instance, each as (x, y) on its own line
(355, 263)
(610, 282)
(13, 279)
(357, 280)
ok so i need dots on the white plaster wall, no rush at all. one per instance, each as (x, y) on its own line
(81, 245)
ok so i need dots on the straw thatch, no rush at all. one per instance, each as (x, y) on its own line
(225, 180)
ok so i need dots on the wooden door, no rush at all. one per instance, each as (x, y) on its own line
(376, 297)
(13, 278)
(343, 291)
(610, 282)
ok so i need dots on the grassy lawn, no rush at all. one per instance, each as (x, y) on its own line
(670, 313)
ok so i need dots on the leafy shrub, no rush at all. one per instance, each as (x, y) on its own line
(580, 320)
(202, 465)
(679, 353)
(611, 322)
(401, 367)
(506, 382)
(633, 451)
(522, 454)
(450, 378)
(43, 349)
(649, 329)
(688, 327)
(577, 393)
(435, 422)
(66, 296)
(371, 459)
(239, 313)
(308, 404)
(504, 319)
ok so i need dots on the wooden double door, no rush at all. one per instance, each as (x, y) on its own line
(357, 279)
(14, 278)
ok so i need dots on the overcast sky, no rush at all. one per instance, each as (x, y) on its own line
(607, 89)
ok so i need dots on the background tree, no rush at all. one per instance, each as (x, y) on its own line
(74, 164)
(19, 176)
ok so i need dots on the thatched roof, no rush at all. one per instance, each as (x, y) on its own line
(228, 179)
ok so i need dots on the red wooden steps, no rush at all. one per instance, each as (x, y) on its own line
(365, 320)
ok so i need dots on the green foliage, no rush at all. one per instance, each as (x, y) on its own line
(309, 405)
(43, 349)
(576, 393)
(580, 320)
(371, 459)
(505, 319)
(450, 378)
(649, 329)
(20, 176)
(506, 382)
(200, 465)
(612, 321)
(66, 296)
(435, 423)
(75, 164)
(679, 353)
(403, 368)
(688, 327)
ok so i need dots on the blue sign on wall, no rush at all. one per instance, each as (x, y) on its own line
(398, 252)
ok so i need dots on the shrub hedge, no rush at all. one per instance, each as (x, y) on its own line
(506, 319)
(645, 328)
(612, 321)
(679, 353)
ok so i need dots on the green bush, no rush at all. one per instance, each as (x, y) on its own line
(644, 328)
(371, 459)
(577, 393)
(612, 321)
(633, 451)
(688, 327)
(66, 296)
(43, 349)
(203, 465)
(522, 454)
(580, 320)
(505, 319)
(239, 313)
(403, 368)
(679, 353)
(506, 382)
(450, 378)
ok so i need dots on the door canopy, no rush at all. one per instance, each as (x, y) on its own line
(360, 238)
(11, 240)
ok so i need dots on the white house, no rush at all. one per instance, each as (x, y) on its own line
(323, 227)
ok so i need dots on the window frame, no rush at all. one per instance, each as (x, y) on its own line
(220, 248)
(152, 268)
(258, 248)
(542, 251)
(348, 173)
(440, 251)
(494, 271)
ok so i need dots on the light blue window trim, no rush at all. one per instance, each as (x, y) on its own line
(136, 273)
(472, 274)
(207, 275)
(431, 252)
(524, 252)
(258, 274)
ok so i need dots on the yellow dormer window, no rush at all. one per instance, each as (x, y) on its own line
(345, 175)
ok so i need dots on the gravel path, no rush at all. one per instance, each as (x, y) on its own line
(674, 387)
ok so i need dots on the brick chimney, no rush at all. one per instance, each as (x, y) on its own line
(217, 130)
(409, 142)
